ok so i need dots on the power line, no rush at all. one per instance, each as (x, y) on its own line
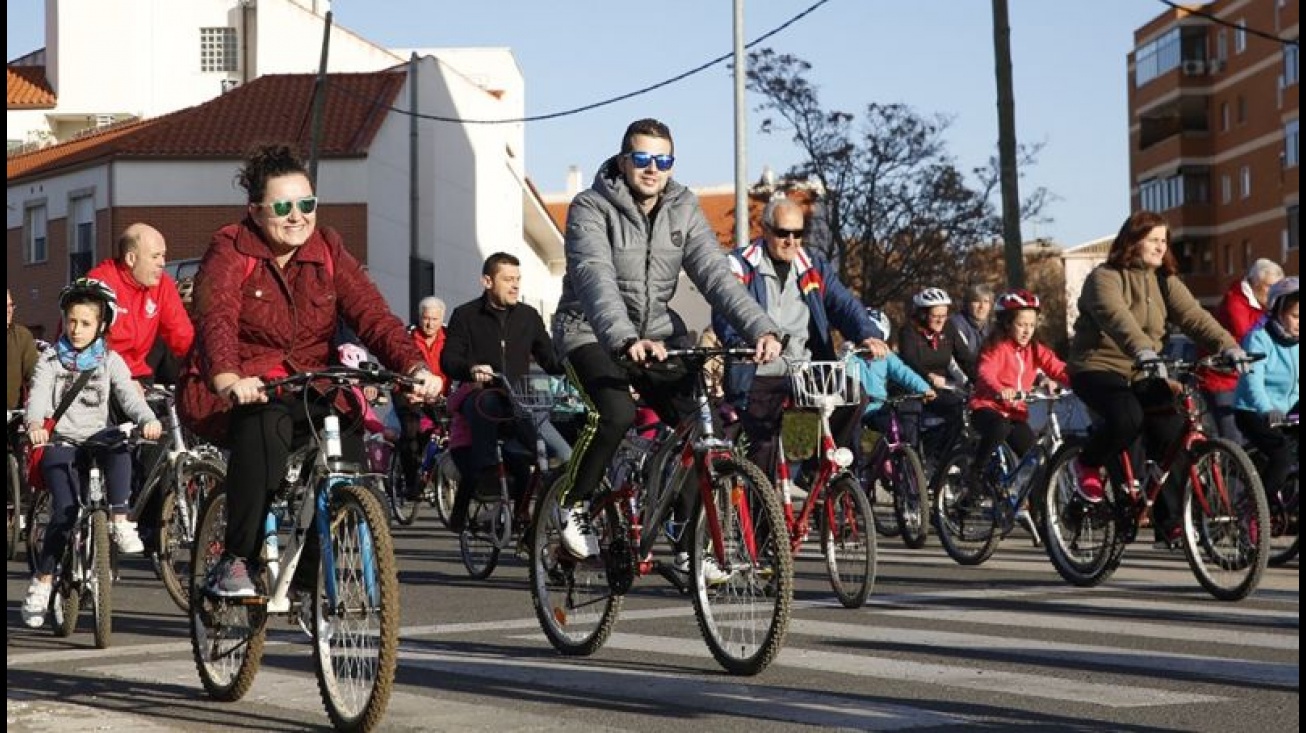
(595, 105)
(1237, 26)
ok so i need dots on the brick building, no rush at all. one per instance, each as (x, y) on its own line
(1213, 135)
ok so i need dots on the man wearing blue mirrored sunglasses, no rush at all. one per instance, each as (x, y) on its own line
(627, 239)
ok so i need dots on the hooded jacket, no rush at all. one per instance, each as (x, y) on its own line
(1007, 365)
(623, 267)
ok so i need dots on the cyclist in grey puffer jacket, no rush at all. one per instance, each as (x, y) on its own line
(627, 239)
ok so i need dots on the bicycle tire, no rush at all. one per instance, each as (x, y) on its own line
(1285, 522)
(476, 543)
(65, 607)
(724, 609)
(573, 600)
(879, 494)
(100, 579)
(1227, 540)
(226, 636)
(911, 498)
(177, 527)
(967, 530)
(38, 518)
(14, 508)
(444, 481)
(356, 643)
(402, 508)
(848, 542)
(1083, 540)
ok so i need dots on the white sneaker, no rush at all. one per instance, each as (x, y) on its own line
(578, 537)
(712, 573)
(34, 605)
(125, 537)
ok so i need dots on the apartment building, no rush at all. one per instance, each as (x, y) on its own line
(1214, 138)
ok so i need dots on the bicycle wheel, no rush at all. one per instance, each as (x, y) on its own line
(14, 515)
(444, 480)
(100, 581)
(1227, 526)
(477, 543)
(743, 616)
(226, 635)
(38, 518)
(878, 482)
(573, 600)
(356, 636)
(1285, 522)
(403, 508)
(964, 514)
(1083, 540)
(911, 501)
(178, 519)
(848, 541)
(66, 596)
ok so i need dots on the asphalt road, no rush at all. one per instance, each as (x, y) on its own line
(1005, 646)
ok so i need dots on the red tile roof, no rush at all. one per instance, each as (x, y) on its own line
(273, 108)
(29, 89)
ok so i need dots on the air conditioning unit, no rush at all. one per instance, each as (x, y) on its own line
(1214, 66)
(1194, 67)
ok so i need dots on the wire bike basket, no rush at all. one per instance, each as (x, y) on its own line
(534, 393)
(824, 384)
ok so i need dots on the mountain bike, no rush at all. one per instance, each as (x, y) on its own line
(1225, 517)
(353, 615)
(834, 500)
(741, 601)
(893, 478)
(973, 520)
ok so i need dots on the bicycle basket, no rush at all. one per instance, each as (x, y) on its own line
(534, 392)
(819, 384)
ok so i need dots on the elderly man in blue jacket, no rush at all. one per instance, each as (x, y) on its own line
(801, 292)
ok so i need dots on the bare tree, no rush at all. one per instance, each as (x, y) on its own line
(897, 213)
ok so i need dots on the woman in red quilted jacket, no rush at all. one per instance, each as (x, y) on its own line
(268, 296)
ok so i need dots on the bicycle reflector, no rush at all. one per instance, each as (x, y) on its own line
(842, 457)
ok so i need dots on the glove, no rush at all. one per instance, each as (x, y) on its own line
(1237, 358)
(1157, 370)
(1275, 417)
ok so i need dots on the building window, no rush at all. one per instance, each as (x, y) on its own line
(1247, 256)
(1293, 224)
(1242, 109)
(1156, 57)
(1226, 189)
(1245, 181)
(217, 49)
(81, 236)
(1290, 61)
(1240, 36)
(1222, 45)
(1224, 116)
(1229, 268)
(37, 251)
(1291, 144)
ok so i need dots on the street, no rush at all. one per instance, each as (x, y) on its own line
(940, 647)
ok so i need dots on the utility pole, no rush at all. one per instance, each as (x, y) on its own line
(319, 102)
(741, 159)
(1007, 167)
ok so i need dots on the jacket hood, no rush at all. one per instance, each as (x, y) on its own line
(611, 184)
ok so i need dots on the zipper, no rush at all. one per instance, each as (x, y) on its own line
(648, 273)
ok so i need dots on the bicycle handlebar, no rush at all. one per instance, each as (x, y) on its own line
(1214, 361)
(343, 376)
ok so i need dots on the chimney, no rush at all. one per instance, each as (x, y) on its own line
(573, 180)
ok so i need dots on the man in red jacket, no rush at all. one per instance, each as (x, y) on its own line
(149, 306)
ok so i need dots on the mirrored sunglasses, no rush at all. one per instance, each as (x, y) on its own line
(306, 205)
(641, 160)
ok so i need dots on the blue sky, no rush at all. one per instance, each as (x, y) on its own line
(933, 55)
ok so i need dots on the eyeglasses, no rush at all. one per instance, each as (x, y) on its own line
(306, 205)
(641, 159)
(786, 233)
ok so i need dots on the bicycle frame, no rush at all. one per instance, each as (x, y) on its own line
(831, 463)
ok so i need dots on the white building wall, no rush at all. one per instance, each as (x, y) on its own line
(211, 182)
(56, 192)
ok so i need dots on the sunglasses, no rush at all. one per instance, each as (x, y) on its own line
(306, 205)
(786, 233)
(640, 160)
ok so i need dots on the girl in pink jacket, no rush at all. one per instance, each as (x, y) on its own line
(1009, 364)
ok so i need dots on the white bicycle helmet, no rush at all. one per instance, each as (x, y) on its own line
(930, 297)
(880, 325)
(1286, 286)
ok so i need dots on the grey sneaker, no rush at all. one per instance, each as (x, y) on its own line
(230, 579)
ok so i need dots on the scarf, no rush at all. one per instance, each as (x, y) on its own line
(78, 361)
(1276, 330)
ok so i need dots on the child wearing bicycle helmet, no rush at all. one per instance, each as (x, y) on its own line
(1009, 363)
(88, 310)
(930, 346)
(1271, 390)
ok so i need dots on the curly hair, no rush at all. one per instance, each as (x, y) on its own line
(266, 162)
(1125, 250)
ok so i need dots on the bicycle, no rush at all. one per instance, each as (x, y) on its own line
(973, 520)
(353, 615)
(1225, 517)
(84, 574)
(436, 475)
(894, 470)
(185, 472)
(742, 611)
(15, 478)
(845, 524)
(1285, 504)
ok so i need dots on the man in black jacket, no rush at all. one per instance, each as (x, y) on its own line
(493, 334)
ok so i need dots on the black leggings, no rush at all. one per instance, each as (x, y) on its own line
(992, 429)
(1273, 445)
